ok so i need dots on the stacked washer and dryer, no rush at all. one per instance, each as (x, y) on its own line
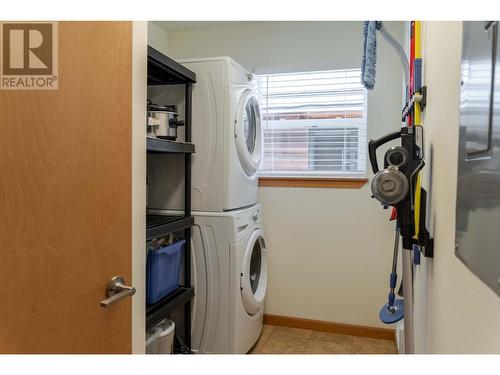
(229, 251)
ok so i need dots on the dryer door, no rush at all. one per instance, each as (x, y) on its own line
(248, 132)
(253, 279)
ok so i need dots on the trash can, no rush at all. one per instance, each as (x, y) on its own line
(166, 338)
(160, 338)
(152, 341)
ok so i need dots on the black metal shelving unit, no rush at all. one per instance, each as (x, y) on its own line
(161, 146)
(159, 225)
(164, 71)
(157, 312)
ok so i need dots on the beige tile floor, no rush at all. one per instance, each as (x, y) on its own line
(284, 340)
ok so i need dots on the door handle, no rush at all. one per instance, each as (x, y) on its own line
(117, 290)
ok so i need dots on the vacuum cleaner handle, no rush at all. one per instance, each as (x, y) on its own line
(376, 143)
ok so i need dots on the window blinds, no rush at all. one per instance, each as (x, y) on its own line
(314, 124)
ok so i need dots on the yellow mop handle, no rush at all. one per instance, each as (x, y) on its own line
(417, 121)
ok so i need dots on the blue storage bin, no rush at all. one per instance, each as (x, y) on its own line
(163, 268)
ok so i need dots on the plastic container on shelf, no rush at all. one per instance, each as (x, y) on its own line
(163, 269)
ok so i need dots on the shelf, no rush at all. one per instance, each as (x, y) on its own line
(159, 225)
(158, 311)
(163, 146)
(162, 70)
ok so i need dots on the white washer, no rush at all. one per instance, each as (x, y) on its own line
(229, 261)
(227, 132)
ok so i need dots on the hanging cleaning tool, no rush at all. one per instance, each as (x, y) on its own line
(393, 311)
(412, 114)
(369, 60)
(395, 186)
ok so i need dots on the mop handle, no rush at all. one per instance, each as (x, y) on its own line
(394, 277)
(396, 248)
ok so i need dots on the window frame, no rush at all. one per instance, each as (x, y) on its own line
(313, 182)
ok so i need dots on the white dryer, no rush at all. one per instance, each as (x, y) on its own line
(227, 132)
(230, 265)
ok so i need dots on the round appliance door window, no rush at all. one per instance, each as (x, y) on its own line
(253, 280)
(249, 127)
(248, 133)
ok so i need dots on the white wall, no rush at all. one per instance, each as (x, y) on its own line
(330, 249)
(275, 46)
(157, 37)
(457, 312)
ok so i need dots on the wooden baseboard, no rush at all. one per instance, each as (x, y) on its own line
(324, 326)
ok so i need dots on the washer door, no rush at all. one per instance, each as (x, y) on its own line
(253, 279)
(248, 132)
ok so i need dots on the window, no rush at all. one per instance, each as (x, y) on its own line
(314, 124)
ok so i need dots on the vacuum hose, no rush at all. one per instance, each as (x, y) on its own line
(400, 51)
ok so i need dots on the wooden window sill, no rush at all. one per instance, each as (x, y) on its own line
(335, 183)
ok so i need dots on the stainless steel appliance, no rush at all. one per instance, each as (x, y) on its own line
(478, 190)
(163, 121)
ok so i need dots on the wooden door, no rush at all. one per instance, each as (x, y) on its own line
(65, 199)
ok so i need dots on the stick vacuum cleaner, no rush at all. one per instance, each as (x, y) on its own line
(394, 186)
